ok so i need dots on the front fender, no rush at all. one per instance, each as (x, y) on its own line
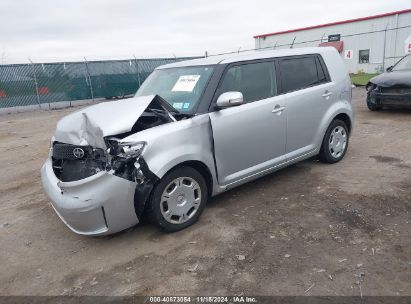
(174, 143)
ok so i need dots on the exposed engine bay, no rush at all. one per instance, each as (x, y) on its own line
(75, 162)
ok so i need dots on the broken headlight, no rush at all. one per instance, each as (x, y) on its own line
(130, 150)
(125, 150)
(124, 157)
(370, 86)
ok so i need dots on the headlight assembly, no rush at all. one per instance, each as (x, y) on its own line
(122, 157)
(130, 149)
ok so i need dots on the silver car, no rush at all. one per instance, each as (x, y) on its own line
(193, 130)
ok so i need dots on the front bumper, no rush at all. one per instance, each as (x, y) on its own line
(389, 99)
(97, 205)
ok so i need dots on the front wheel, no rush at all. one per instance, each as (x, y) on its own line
(178, 199)
(371, 105)
(335, 142)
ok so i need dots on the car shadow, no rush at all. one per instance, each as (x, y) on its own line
(395, 110)
(224, 200)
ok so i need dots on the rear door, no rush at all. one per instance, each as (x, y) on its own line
(251, 137)
(306, 85)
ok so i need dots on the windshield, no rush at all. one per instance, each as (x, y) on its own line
(403, 64)
(180, 87)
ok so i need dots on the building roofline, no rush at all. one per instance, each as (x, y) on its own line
(334, 23)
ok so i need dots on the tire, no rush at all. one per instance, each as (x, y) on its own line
(332, 153)
(372, 106)
(187, 197)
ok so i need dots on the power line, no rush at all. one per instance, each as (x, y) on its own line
(309, 41)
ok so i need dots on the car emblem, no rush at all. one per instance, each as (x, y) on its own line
(78, 152)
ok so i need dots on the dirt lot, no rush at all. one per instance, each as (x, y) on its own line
(328, 229)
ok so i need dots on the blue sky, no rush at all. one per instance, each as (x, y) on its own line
(54, 30)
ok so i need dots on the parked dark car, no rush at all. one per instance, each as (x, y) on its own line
(392, 88)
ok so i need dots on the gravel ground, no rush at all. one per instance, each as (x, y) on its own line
(311, 228)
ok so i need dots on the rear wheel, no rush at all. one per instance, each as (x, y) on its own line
(178, 199)
(335, 142)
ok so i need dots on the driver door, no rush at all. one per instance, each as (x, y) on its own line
(249, 138)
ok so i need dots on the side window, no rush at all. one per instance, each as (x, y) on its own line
(301, 72)
(255, 80)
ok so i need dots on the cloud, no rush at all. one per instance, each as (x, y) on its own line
(46, 30)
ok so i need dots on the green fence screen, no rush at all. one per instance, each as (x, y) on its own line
(47, 83)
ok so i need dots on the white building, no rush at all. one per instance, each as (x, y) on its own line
(368, 44)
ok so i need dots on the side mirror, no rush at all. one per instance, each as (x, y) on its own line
(230, 99)
(389, 69)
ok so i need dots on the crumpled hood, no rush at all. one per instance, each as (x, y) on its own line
(90, 125)
(391, 79)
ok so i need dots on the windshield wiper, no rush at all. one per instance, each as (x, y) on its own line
(166, 105)
(162, 105)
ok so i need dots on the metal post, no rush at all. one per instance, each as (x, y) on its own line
(383, 50)
(395, 37)
(138, 72)
(89, 79)
(35, 82)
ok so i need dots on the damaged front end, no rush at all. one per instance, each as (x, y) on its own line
(389, 89)
(388, 96)
(73, 162)
(94, 178)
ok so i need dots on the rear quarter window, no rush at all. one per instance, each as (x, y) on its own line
(301, 72)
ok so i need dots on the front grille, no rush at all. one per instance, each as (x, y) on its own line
(396, 90)
(68, 152)
(68, 166)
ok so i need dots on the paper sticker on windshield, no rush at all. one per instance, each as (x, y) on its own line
(178, 105)
(186, 83)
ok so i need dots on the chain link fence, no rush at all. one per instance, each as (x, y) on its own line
(64, 84)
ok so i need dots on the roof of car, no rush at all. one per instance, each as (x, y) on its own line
(250, 55)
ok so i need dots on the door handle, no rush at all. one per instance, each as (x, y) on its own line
(278, 109)
(327, 94)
